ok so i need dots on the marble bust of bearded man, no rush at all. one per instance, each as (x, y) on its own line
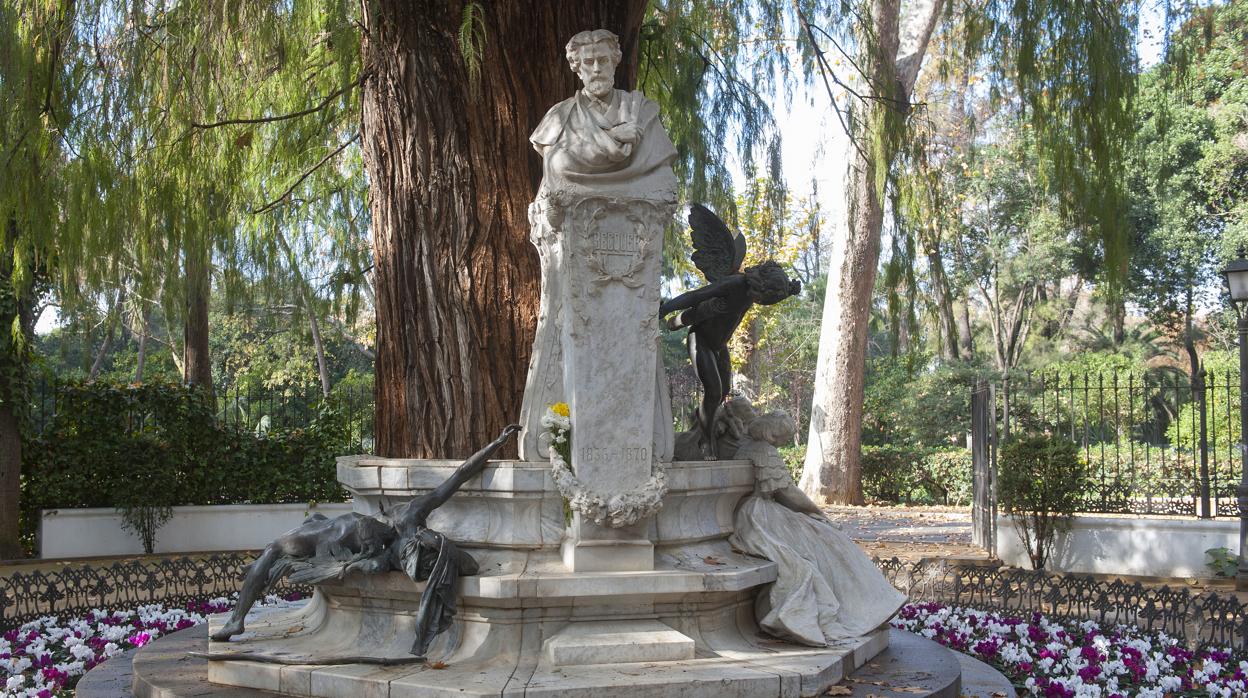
(603, 140)
(599, 144)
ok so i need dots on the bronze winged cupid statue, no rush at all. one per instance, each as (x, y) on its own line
(713, 312)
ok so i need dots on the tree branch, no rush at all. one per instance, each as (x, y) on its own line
(917, 24)
(275, 202)
(283, 117)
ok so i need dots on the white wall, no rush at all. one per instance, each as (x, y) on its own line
(1155, 547)
(96, 532)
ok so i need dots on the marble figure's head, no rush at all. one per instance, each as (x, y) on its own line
(776, 428)
(593, 55)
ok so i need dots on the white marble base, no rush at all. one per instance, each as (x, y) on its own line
(619, 642)
(725, 663)
(619, 555)
(526, 615)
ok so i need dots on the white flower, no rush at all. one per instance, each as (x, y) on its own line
(1169, 683)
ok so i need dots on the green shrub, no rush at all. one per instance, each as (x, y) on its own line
(1131, 471)
(794, 458)
(1041, 482)
(948, 473)
(145, 448)
(908, 401)
(890, 473)
(916, 475)
(1221, 407)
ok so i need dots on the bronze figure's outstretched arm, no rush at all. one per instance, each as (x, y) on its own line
(468, 469)
(692, 298)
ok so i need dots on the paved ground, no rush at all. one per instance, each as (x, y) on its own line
(909, 533)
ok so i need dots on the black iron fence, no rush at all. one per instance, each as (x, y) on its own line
(1198, 619)
(1156, 445)
(76, 589)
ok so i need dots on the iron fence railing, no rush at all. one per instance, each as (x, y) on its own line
(1156, 445)
(1197, 619)
(77, 589)
(1201, 619)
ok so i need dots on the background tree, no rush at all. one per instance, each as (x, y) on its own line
(890, 52)
(1047, 53)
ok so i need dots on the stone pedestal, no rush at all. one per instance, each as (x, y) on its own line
(611, 249)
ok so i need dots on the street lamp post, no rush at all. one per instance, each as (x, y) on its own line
(1236, 274)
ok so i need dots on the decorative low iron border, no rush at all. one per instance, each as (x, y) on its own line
(1196, 619)
(77, 588)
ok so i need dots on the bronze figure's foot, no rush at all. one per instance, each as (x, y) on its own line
(232, 628)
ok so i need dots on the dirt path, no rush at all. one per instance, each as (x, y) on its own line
(909, 533)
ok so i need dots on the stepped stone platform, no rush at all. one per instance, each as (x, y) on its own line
(526, 625)
(912, 667)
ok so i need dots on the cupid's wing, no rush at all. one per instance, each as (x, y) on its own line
(717, 251)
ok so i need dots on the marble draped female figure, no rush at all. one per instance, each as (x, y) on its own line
(827, 588)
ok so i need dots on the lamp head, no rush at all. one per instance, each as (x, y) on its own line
(1236, 274)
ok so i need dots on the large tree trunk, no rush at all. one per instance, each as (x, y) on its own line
(14, 372)
(451, 175)
(832, 470)
(943, 299)
(197, 362)
(966, 337)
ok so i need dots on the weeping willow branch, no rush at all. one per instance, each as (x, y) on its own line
(275, 202)
(824, 71)
(283, 117)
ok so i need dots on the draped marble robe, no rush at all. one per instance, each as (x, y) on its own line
(581, 159)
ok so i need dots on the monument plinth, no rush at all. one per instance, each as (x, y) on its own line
(609, 334)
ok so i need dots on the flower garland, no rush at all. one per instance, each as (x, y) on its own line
(616, 511)
(1080, 659)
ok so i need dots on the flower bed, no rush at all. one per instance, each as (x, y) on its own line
(46, 657)
(1063, 660)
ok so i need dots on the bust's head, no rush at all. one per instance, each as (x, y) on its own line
(593, 55)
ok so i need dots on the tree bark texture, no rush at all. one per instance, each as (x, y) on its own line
(832, 469)
(451, 175)
(196, 359)
(966, 338)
